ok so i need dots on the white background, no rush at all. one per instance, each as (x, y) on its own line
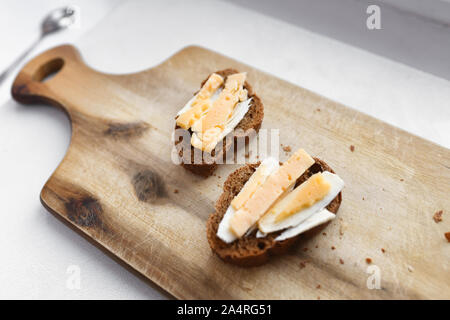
(37, 249)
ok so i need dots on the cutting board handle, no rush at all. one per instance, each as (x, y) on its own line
(35, 82)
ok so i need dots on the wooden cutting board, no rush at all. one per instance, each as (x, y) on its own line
(118, 185)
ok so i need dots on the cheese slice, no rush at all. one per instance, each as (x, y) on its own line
(275, 185)
(255, 181)
(304, 196)
(209, 126)
(223, 107)
(268, 223)
(201, 104)
(187, 119)
(267, 167)
(239, 113)
(207, 140)
(315, 220)
(219, 113)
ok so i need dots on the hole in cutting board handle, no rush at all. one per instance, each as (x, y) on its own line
(48, 70)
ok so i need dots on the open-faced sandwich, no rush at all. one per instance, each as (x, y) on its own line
(225, 107)
(265, 207)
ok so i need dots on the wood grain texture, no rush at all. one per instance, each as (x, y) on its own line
(116, 184)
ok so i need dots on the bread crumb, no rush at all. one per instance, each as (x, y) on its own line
(342, 228)
(332, 248)
(382, 250)
(318, 286)
(219, 177)
(341, 261)
(447, 236)
(318, 298)
(352, 148)
(368, 260)
(324, 233)
(363, 198)
(287, 149)
(302, 264)
(175, 191)
(316, 246)
(402, 180)
(318, 109)
(305, 249)
(410, 269)
(438, 216)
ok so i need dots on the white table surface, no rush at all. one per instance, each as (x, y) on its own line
(37, 249)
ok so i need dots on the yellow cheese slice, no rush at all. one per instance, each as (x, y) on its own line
(206, 141)
(211, 85)
(274, 186)
(201, 104)
(188, 118)
(249, 188)
(222, 109)
(305, 195)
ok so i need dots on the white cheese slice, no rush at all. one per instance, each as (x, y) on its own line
(259, 234)
(224, 232)
(313, 221)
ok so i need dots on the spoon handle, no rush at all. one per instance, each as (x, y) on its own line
(13, 65)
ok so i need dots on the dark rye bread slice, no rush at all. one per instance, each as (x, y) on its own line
(251, 251)
(252, 120)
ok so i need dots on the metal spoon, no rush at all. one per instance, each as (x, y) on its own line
(56, 20)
